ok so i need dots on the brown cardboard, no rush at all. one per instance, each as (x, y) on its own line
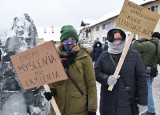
(137, 19)
(38, 66)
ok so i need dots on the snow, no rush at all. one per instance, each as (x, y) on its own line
(11, 33)
(15, 105)
(142, 2)
(106, 17)
(14, 100)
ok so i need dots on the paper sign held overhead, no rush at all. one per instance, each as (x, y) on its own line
(137, 19)
(38, 66)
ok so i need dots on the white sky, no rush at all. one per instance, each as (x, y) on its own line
(47, 13)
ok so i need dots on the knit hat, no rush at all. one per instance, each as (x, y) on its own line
(156, 35)
(68, 31)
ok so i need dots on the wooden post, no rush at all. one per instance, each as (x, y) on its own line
(118, 68)
(54, 105)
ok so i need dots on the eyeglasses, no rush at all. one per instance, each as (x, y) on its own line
(117, 38)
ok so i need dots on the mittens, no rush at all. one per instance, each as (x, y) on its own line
(142, 108)
(48, 95)
(112, 80)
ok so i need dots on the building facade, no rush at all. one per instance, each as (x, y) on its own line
(99, 28)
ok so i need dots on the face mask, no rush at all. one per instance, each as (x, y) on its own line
(116, 47)
(117, 41)
(69, 44)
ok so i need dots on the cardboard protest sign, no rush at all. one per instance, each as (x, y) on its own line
(38, 66)
(137, 19)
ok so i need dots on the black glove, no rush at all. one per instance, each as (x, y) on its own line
(91, 113)
(48, 95)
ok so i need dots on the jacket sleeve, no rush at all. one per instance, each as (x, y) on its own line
(100, 76)
(90, 84)
(141, 81)
(140, 45)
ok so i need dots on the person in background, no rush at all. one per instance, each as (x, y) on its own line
(97, 50)
(131, 76)
(149, 53)
(78, 66)
(133, 40)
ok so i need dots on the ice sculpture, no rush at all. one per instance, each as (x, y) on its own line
(14, 100)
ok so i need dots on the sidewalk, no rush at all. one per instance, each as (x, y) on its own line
(156, 93)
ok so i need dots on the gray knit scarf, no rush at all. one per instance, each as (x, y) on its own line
(116, 48)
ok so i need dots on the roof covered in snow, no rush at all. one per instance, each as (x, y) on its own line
(106, 17)
(116, 13)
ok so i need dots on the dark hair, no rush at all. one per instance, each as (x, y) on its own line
(156, 35)
(110, 35)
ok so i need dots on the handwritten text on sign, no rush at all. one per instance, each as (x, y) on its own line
(137, 19)
(38, 66)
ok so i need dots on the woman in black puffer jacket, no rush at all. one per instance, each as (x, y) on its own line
(117, 101)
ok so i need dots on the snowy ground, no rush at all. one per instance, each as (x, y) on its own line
(156, 94)
(98, 96)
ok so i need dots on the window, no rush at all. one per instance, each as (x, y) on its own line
(83, 35)
(103, 26)
(45, 30)
(108, 26)
(52, 29)
(97, 39)
(128, 35)
(154, 8)
(97, 28)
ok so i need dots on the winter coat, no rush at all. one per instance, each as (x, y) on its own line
(105, 47)
(117, 102)
(97, 50)
(68, 98)
(147, 49)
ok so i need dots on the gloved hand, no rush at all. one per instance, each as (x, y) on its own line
(112, 80)
(91, 113)
(48, 95)
(142, 108)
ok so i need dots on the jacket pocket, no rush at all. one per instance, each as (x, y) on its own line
(77, 103)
